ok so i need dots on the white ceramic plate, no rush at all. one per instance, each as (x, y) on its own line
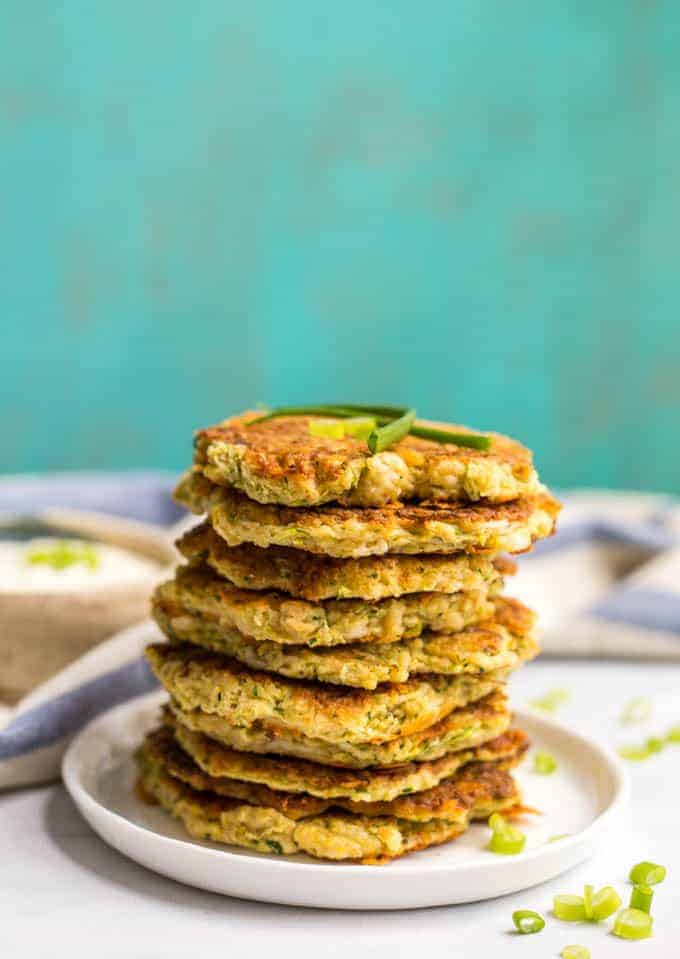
(583, 798)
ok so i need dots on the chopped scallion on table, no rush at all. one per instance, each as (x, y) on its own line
(588, 901)
(636, 710)
(551, 701)
(641, 898)
(634, 753)
(673, 734)
(575, 952)
(633, 924)
(604, 903)
(569, 908)
(527, 921)
(647, 874)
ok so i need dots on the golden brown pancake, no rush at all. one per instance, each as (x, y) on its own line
(280, 461)
(446, 800)
(464, 728)
(241, 696)
(335, 835)
(355, 532)
(278, 618)
(313, 577)
(500, 643)
(287, 774)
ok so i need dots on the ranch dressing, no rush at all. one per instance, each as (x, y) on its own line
(54, 565)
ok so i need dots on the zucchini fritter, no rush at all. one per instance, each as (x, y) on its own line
(313, 577)
(464, 728)
(286, 774)
(503, 642)
(346, 532)
(279, 461)
(446, 800)
(336, 714)
(328, 835)
(281, 619)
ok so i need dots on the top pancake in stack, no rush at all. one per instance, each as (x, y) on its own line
(279, 461)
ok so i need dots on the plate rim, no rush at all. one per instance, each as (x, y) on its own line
(83, 798)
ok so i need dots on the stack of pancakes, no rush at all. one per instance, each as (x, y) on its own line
(338, 643)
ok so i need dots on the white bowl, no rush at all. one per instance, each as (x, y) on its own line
(42, 632)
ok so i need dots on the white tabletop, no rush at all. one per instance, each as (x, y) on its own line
(63, 889)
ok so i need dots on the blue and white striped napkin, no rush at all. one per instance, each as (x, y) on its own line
(608, 584)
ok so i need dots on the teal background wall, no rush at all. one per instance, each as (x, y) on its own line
(468, 205)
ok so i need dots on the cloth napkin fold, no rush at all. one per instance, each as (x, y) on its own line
(608, 584)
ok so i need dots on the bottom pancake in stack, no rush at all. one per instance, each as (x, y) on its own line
(286, 806)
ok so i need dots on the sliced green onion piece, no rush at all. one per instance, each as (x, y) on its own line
(575, 952)
(384, 416)
(588, 901)
(647, 874)
(527, 921)
(329, 429)
(544, 763)
(338, 412)
(551, 701)
(636, 710)
(633, 924)
(477, 441)
(558, 836)
(359, 427)
(506, 840)
(569, 908)
(654, 744)
(673, 735)
(385, 436)
(507, 843)
(604, 903)
(390, 412)
(641, 898)
(634, 752)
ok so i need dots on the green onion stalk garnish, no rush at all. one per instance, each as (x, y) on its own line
(391, 424)
(526, 921)
(505, 839)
